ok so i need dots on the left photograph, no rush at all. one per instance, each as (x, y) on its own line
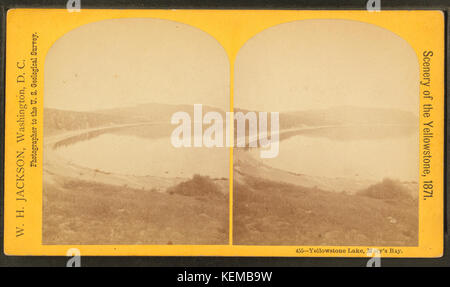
(112, 173)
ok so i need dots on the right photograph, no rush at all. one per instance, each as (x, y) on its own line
(346, 170)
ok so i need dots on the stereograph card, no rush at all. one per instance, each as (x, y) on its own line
(224, 133)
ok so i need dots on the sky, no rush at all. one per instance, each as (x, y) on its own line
(301, 65)
(127, 62)
(315, 64)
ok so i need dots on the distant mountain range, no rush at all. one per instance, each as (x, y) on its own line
(345, 115)
(56, 120)
(61, 120)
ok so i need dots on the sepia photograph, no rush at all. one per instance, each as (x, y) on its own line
(347, 167)
(111, 174)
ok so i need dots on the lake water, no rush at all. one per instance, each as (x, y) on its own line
(393, 157)
(134, 155)
(328, 153)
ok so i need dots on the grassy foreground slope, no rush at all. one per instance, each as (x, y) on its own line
(274, 213)
(82, 212)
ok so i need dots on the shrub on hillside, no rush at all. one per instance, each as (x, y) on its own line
(387, 189)
(197, 186)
